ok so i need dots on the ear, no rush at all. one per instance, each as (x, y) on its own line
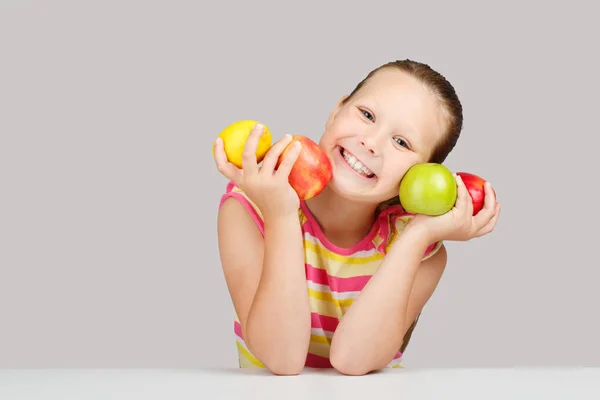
(335, 111)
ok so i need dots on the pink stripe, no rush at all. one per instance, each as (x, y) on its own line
(336, 284)
(314, 361)
(429, 249)
(237, 328)
(326, 323)
(314, 229)
(246, 204)
(383, 233)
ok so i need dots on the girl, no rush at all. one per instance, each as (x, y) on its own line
(340, 280)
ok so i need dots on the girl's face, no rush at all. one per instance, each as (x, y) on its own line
(392, 123)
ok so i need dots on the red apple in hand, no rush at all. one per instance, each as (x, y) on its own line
(311, 171)
(475, 187)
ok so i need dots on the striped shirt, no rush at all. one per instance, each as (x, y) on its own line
(334, 276)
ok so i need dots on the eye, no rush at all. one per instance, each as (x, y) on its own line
(401, 142)
(368, 115)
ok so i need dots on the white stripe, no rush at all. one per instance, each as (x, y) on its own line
(397, 361)
(326, 289)
(243, 343)
(321, 332)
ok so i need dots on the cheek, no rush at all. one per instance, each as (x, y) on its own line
(330, 137)
(326, 142)
(394, 169)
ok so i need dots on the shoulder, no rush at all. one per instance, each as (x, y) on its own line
(235, 203)
(392, 219)
(240, 242)
(237, 218)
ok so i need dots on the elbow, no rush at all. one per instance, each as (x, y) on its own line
(357, 363)
(290, 362)
(278, 362)
(281, 357)
(345, 363)
(284, 367)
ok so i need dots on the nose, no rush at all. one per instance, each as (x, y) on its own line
(369, 142)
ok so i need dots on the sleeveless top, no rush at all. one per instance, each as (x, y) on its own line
(335, 276)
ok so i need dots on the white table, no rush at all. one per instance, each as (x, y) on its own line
(408, 383)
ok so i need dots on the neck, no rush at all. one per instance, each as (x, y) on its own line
(350, 222)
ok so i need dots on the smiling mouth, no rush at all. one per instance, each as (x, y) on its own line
(356, 164)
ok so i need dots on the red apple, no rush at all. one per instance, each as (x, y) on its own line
(475, 188)
(311, 171)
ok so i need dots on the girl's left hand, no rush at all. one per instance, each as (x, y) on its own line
(459, 224)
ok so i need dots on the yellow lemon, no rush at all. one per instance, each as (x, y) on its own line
(235, 137)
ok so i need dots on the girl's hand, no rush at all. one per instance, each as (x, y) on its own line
(459, 224)
(268, 188)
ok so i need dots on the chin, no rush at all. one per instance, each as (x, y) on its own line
(355, 182)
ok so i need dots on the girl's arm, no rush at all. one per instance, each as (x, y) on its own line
(266, 281)
(371, 332)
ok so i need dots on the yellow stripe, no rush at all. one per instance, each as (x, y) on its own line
(324, 308)
(397, 366)
(244, 363)
(327, 297)
(319, 349)
(319, 345)
(240, 191)
(248, 356)
(319, 339)
(302, 218)
(347, 267)
(347, 260)
(340, 269)
(401, 223)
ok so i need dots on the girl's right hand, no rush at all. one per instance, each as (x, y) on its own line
(268, 188)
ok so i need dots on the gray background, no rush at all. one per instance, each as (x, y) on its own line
(108, 191)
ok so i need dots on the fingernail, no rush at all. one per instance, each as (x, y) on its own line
(259, 127)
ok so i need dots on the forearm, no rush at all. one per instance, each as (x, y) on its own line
(371, 332)
(278, 327)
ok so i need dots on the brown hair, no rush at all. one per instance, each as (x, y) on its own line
(443, 90)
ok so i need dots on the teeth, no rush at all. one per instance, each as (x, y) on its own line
(357, 165)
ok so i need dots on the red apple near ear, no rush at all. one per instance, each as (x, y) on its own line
(311, 171)
(475, 187)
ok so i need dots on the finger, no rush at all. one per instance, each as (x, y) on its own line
(490, 196)
(226, 168)
(491, 225)
(249, 161)
(488, 211)
(290, 158)
(273, 154)
(468, 199)
(463, 201)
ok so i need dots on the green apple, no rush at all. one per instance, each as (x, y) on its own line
(428, 188)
